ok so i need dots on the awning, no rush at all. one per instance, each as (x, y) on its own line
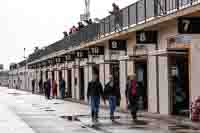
(169, 52)
(91, 63)
(133, 57)
(110, 62)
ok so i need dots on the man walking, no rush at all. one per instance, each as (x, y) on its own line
(40, 86)
(47, 87)
(93, 94)
(62, 88)
(33, 86)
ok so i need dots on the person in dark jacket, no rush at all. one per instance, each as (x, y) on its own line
(131, 96)
(33, 86)
(41, 86)
(62, 88)
(47, 87)
(111, 91)
(94, 92)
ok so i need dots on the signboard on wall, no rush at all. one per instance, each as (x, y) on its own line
(146, 37)
(189, 25)
(98, 50)
(117, 44)
(70, 57)
(82, 54)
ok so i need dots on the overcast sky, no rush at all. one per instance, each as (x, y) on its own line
(30, 23)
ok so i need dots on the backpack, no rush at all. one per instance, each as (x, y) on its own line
(133, 88)
(107, 89)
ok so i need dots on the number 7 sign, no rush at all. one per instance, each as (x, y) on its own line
(189, 25)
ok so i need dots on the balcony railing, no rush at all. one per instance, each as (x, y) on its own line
(137, 13)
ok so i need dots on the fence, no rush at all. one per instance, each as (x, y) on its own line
(137, 13)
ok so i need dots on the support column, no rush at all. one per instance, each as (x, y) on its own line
(90, 68)
(57, 82)
(107, 66)
(152, 81)
(164, 97)
(73, 82)
(194, 67)
(123, 81)
(77, 76)
(86, 80)
(101, 71)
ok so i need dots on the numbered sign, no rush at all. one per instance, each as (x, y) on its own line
(117, 44)
(98, 50)
(146, 37)
(82, 54)
(189, 25)
(70, 57)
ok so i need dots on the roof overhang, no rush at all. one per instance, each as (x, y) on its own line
(169, 52)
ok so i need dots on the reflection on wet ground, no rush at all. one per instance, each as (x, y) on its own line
(106, 126)
(15, 94)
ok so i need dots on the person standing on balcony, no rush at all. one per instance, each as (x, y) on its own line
(80, 25)
(117, 14)
(94, 92)
(62, 88)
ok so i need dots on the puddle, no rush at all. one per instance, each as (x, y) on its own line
(45, 108)
(70, 118)
(14, 94)
(50, 110)
(58, 103)
(182, 127)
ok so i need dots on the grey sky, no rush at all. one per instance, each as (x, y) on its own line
(30, 23)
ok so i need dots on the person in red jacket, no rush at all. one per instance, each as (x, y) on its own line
(131, 96)
(54, 88)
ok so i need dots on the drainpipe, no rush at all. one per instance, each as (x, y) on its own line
(157, 81)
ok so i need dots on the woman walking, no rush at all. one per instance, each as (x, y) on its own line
(111, 92)
(54, 88)
(131, 96)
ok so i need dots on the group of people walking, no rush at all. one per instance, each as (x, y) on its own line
(50, 87)
(111, 92)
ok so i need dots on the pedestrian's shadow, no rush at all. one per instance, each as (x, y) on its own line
(141, 122)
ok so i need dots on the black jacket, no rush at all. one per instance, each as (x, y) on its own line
(94, 89)
(112, 90)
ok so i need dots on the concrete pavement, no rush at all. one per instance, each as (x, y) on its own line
(11, 123)
(47, 116)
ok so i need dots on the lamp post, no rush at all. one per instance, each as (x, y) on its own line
(25, 85)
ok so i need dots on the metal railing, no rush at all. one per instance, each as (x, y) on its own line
(137, 13)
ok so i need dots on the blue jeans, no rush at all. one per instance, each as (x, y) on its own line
(62, 93)
(112, 103)
(95, 101)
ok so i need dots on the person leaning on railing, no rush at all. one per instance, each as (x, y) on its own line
(117, 15)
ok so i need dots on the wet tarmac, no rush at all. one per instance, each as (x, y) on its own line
(57, 116)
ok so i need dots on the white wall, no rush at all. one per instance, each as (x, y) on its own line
(195, 67)
(152, 81)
